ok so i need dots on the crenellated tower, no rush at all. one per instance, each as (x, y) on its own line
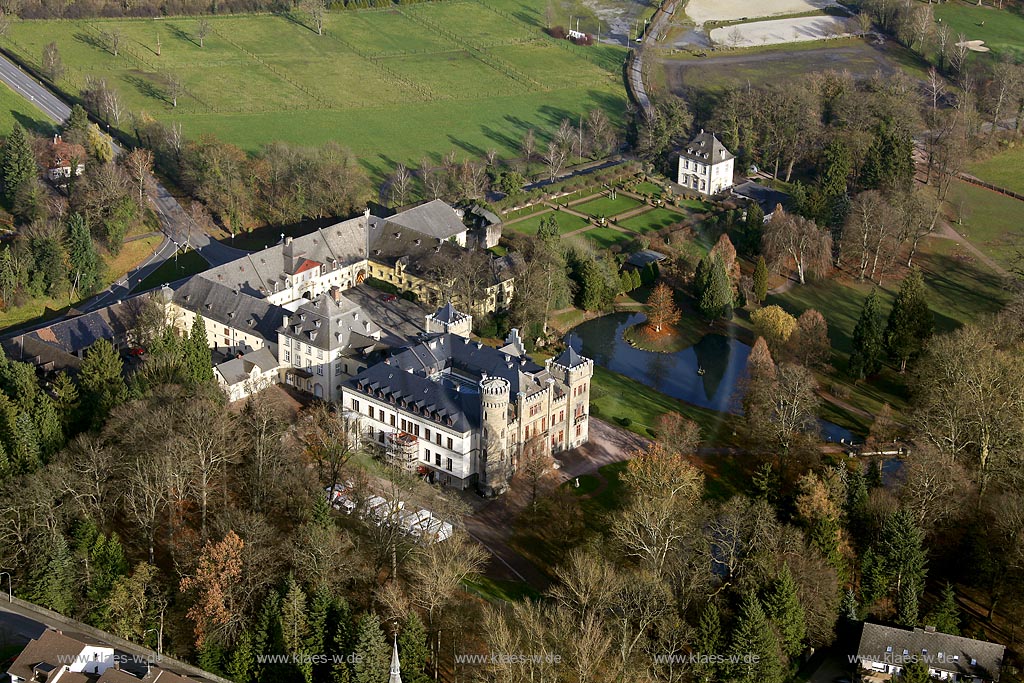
(495, 462)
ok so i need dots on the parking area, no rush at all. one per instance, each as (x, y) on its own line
(702, 11)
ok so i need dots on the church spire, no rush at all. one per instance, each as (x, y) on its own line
(396, 666)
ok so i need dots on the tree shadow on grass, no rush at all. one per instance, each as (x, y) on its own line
(38, 126)
(148, 88)
(506, 141)
(473, 150)
(181, 34)
(91, 40)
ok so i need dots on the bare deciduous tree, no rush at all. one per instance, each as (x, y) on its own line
(791, 238)
(202, 30)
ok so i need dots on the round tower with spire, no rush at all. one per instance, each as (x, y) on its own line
(495, 468)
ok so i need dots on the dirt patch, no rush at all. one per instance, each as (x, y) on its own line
(702, 11)
(779, 31)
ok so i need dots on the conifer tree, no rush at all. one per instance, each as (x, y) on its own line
(85, 261)
(47, 419)
(910, 322)
(868, 349)
(625, 282)
(26, 444)
(19, 164)
(197, 353)
(754, 649)
(760, 280)
(708, 643)
(100, 381)
(787, 614)
(634, 277)
(945, 617)
(372, 654)
(65, 394)
(413, 650)
(52, 576)
(295, 628)
(8, 278)
(241, 665)
(901, 565)
(77, 126)
(716, 295)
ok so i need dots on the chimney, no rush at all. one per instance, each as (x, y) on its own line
(336, 293)
(929, 629)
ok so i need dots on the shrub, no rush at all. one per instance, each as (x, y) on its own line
(625, 421)
(595, 410)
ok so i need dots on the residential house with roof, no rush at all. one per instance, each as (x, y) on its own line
(464, 413)
(55, 656)
(418, 262)
(64, 159)
(705, 165)
(883, 651)
(246, 373)
(325, 341)
(235, 321)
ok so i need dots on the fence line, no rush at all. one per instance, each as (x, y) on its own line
(989, 186)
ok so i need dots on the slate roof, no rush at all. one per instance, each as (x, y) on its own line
(766, 197)
(957, 652)
(434, 219)
(45, 356)
(706, 148)
(328, 324)
(256, 273)
(230, 307)
(438, 378)
(49, 648)
(79, 333)
(113, 675)
(642, 258)
(448, 314)
(570, 358)
(239, 369)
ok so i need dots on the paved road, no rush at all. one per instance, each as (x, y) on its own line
(179, 230)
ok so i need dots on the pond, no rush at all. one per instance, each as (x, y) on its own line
(708, 374)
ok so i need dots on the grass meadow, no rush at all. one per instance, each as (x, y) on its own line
(392, 85)
(993, 222)
(1005, 169)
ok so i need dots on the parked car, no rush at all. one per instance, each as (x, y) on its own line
(136, 351)
(389, 297)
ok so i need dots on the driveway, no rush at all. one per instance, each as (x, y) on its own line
(491, 522)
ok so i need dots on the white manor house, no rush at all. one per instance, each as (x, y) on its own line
(705, 165)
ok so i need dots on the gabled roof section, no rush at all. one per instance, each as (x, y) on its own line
(706, 148)
(50, 651)
(230, 307)
(955, 654)
(448, 314)
(434, 219)
(329, 324)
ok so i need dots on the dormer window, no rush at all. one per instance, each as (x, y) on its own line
(397, 235)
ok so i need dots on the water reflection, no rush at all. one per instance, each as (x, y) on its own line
(707, 374)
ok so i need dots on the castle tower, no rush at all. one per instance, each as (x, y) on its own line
(447, 319)
(495, 466)
(396, 666)
(575, 372)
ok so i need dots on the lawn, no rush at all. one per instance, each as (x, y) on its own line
(653, 220)
(1002, 30)
(16, 109)
(993, 222)
(393, 86)
(567, 222)
(647, 187)
(960, 289)
(187, 264)
(605, 238)
(1005, 169)
(606, 206)
(637, 407)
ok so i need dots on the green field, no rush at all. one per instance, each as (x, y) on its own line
(393, 85)
(1005, 169)
(170, 270)
(15, 108)
(606, 206)
(655, 219)
(567, 222)
(604, 238)
(993, 222)
(1001, 29)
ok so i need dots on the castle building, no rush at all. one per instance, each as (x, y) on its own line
(464, 413)
(705, 165)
